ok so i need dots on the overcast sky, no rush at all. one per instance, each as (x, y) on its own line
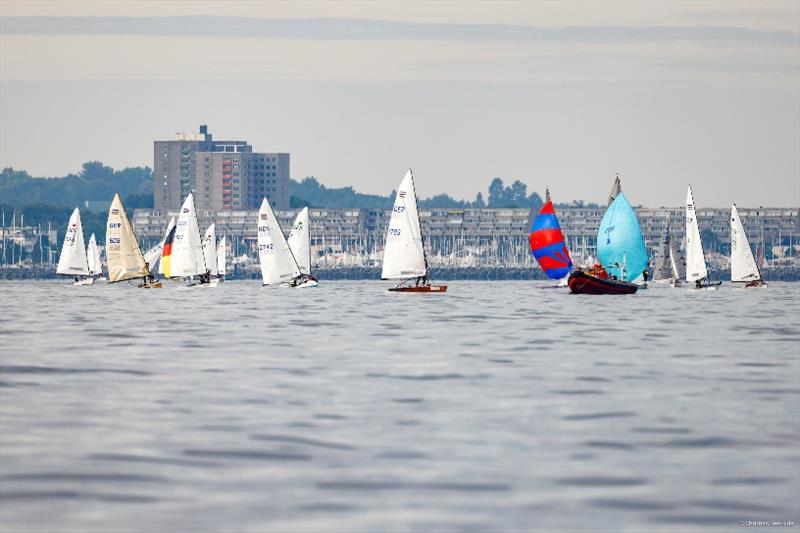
(551, 93)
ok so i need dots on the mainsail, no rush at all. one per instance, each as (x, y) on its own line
(210, 249)
(616, 188)
(165, 265)
(547, 243)
(663, 268)
(620, 245)
(187, 249)
(93, 257)
(695, 261)
(743, 264)
(222, 250)
(73, 255)
(152, 255)
(403, 255)
(300, 241)
(277, 262)
(125, 259)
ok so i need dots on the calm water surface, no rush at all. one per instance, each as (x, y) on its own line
(496, 407)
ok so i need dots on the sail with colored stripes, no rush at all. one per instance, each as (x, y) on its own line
(620, 245)
(165, 265)
(547, 243)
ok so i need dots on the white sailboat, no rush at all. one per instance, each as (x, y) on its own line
(744, 268)
(93, 259)
(125, 259)
(222, 251)
(72, 261)
(187, 258)
(696, 269)
(278, 265)
(404, 252)
(210, 250)
(300, 243)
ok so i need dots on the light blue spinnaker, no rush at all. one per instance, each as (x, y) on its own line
(620, 241)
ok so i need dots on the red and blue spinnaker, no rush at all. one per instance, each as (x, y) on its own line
(547, 243)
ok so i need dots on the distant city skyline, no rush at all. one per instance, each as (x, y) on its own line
(558, 95)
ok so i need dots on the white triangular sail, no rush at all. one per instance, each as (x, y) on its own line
(93, 257)
(187, 250)
(73, 255)
(300, 241)
(695, 261)
(152, 255)
(403, 255)
(743, 264)
(222, 251)
(165, 261)
(125, 259)
(210, 249)
(277, 262)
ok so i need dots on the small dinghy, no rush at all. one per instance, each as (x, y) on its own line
(278, 264)
(696, 269)
(621, 251)
(73, 260)
(125, 259)
(593, 282)
(187, 259)
(300, 245)
(744, 269)
(404, 254)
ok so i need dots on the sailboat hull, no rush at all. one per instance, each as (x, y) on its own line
(84, 281)
(421, 288)
(209, 284)
(584, 283)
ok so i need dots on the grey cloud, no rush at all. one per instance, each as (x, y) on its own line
(362, 29)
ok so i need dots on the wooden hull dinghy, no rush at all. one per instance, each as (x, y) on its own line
(581, 282)
(696, 268)
(419, 288)
(404, 256)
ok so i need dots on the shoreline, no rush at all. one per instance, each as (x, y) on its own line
(437, 274)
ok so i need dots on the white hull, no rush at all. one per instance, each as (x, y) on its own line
(305, 285)
(704, 288)
(84, 281)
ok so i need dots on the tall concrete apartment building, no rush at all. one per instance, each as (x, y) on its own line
(223, 175)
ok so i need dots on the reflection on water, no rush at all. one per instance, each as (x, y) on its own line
(497, 406)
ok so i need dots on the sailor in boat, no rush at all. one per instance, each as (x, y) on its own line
(423, 279)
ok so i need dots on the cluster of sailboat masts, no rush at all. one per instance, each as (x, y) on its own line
(200, 261)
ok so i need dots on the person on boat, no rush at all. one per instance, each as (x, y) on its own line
(598, 271)
(697, 284)
(76, 279)
(645, 275)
